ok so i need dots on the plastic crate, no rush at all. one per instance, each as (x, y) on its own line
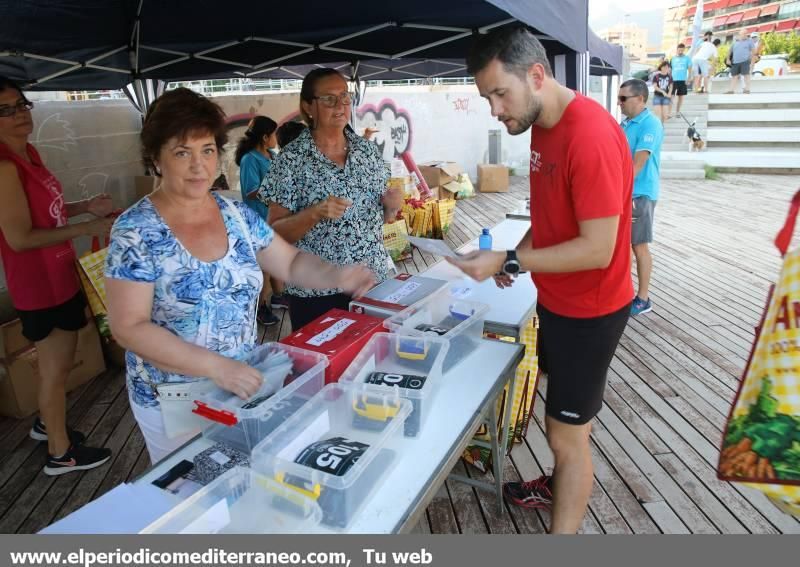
(411, 364)
(333, 449)
(241, 501)
(242, 424)
(441, 314)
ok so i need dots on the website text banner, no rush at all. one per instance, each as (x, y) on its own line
(395, 551)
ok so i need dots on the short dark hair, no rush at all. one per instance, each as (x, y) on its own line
(7, 83)
(177, 114)
(708, 34)
(260, 126)
(638, 87)
(309, 85)
(681, 46)
(662, 64)
(515, 47)
(288, 132)
(716, 41)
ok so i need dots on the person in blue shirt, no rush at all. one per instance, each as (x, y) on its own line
(681, 64)
(645, 135)
(254, 154)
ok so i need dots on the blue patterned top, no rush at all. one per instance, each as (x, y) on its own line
(301, 176)
(210, 304)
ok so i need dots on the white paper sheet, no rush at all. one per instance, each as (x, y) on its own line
(403, 292)
(125, 509)
(330, 333)
(432, 246)
(309, 435)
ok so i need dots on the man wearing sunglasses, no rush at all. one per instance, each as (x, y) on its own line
(645, 134)
(577, 249)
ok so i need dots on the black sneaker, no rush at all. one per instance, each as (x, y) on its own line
(78, 458)
(532, 494)
(279, 301)
(266, 317)
(39, 433)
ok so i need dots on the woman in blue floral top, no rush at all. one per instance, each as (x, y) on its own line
(327, 193)
(184, 268)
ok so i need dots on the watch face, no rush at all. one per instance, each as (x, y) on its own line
(511, 268)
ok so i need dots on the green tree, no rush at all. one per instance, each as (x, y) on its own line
(789, 43)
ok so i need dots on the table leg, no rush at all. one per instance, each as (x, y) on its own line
(500, 453)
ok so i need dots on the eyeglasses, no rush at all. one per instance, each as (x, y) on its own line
(330, 101)
(623, 98)
(11, 110)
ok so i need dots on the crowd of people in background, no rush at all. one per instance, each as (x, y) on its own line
(673, 77)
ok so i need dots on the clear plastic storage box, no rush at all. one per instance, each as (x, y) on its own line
(333, 449)
(411, 364)
(441, 314)
(241, 501)
(291, 375)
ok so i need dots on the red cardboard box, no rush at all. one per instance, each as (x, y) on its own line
(340, 335)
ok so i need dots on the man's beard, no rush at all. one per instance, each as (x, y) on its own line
(526, 120)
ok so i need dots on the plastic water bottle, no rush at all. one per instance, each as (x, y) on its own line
(485, 240)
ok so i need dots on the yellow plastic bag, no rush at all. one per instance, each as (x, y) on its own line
(395, 239)
(761, 446)
(91, 270)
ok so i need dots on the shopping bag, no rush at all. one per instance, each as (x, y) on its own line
(91, 268)
(526, 381)
(395, 239)
(443, 212)
(761, 444)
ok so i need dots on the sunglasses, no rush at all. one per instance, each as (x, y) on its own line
(623, 98)
(11, 110)
(330, 101)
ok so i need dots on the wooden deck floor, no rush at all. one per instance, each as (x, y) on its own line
(655, 440)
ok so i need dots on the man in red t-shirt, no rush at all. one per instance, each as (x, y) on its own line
(578, 250)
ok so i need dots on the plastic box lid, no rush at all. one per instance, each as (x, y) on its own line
(328, 415)
(240, 501)
(397, 355)
(227, 408)
(449, 316)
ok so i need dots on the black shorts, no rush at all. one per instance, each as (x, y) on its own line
(575, 354)
(70, 316)
(680, 88)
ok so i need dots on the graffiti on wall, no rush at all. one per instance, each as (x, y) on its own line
(393, 125)
(56, 133)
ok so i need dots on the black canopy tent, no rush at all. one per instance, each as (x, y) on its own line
(107, 44)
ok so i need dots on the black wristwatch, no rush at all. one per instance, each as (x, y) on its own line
(511, 266)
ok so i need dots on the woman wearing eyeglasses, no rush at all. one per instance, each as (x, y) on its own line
(39, 263)
(327, 193)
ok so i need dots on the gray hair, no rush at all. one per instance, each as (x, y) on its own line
(515, 47)
(637, 87)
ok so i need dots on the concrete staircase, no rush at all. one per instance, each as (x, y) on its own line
(695, 107)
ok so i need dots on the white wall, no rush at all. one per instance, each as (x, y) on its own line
(435, 123)
(91, 147)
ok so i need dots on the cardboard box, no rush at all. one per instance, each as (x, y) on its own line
(395, 294)
(144, 184)
(492, 178)
(340, 335)
(19, 369)
(450, 190)
(439, 173)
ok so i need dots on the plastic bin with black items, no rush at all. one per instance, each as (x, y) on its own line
(442, 314)
(291, 375)
(241, 501)
(325, 453)
(410, 364)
